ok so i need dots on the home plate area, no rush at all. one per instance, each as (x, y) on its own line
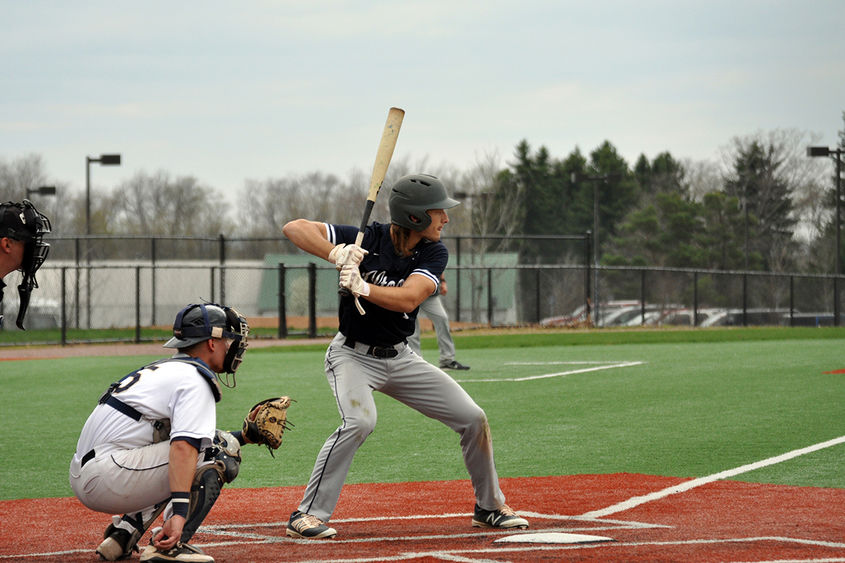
(431, 521)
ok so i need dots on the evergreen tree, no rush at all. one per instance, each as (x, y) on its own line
(766, 196)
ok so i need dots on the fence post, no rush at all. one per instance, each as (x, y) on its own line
(490, 296)
(312, 300)
(153, 281)
(642, 296)
(137, 304)
(587, 281)
(458, 281)
(791, 301)
(213, 269)
(836, 299)
(745, 299)
(695, 299)
(76, 285)
(222, 284)
(221, 252)
(64, 306)
(537, 294)
(283, 321)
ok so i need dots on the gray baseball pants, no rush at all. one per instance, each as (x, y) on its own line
(353, 376)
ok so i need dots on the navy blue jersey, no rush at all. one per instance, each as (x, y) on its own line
(382, 266)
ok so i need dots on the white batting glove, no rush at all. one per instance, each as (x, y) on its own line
(347, 255)
(350, 278)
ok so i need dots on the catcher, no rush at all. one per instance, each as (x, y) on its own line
(150, 446)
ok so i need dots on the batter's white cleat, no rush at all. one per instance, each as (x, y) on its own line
(310, 527)
(504, 517)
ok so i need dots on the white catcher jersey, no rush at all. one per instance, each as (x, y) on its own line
(171, 390)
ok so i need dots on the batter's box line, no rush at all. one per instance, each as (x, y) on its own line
(627, 524)
(603, 366)
(231, 530)
(471, 555)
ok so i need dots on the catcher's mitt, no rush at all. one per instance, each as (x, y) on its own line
(267, 421)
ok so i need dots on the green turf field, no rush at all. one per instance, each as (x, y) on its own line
(700, 402)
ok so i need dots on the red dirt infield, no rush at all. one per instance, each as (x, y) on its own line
(430, 521)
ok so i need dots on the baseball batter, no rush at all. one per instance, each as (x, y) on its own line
(396, 268)
(151, 443)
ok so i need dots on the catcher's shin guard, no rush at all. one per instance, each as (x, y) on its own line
(208, 482)
(118, 543)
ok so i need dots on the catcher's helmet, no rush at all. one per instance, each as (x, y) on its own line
(199, 322)
(413, 195)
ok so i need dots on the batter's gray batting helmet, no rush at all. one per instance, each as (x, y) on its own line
(198, 322)
(413, 195)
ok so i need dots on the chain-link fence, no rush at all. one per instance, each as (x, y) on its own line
(490, 284)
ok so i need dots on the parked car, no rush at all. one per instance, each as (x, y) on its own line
(753, 317)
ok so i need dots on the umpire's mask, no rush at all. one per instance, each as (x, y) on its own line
(23, 222)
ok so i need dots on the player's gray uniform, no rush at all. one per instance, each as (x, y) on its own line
(370, 353)
(434, 310)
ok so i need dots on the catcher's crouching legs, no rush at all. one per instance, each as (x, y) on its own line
(209, 480)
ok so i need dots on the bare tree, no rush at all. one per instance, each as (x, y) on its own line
(28, 173)
(159, 204)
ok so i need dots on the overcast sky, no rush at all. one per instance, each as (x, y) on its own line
(229, 91)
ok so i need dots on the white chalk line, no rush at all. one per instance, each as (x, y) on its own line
(252, 538)
(604, 366)
(453, 553)
(687, 485)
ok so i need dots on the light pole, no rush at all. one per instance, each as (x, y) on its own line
(104, 160)
(837, 156)
(596, 180)
(40, 190)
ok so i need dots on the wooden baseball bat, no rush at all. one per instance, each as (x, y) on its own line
(385, 152)
(383, 156)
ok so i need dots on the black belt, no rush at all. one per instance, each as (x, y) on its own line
(86, 458)
(381, 352)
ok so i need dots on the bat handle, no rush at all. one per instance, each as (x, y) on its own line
(344, 291)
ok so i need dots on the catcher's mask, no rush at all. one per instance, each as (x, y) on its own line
(200, 321)
(411, 196)
(23, 222)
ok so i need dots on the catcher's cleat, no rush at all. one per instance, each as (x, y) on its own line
(180, 552)
(304, 525)
(454, 364)
(116, 544)
(504, 517)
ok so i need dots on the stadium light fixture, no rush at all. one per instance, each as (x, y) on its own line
(104, 160)
(40, 190)
(837, 156)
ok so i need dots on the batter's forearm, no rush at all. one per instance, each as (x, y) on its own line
(394, 298)
(309, 236)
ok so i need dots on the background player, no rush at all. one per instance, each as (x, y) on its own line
(22, 228)
(433, 309)
(151, 441)
(398, 270)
